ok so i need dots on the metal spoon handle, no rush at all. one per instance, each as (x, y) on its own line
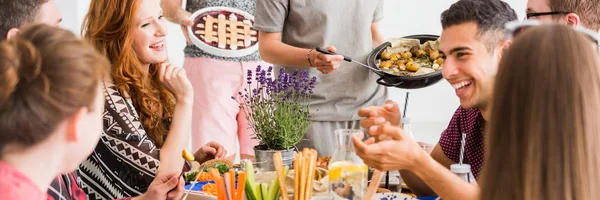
(325, 51)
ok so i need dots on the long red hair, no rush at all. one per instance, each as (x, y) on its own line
(108, 26)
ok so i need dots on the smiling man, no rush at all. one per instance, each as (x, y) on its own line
(584, 13)
(472, 41)
(15, 14)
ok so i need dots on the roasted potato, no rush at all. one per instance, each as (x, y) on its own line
(394, 57)
(439, 61)
(401, 61)
(435, 54)
(402, 67)
(413, 67)
(386, 56)
(428, 50)
(414, 50)
(407, 55)
(386, 64)
(399, 55)
(421, 53)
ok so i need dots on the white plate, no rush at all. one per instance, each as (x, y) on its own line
(378, 196)
(393, 196)
(200, 196)
(218, 51)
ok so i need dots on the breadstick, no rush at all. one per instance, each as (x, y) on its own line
(313, 171)
(305, 172)
(305, 151)
(297, 163)
(310, 176)
(373, 185)
(278, 161)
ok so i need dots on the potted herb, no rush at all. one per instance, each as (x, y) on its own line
(277, 110)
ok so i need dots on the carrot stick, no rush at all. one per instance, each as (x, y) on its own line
(241, 186)
(232, 181)
(373, 185)
(228, 185)
(278, 161)
(214, 173)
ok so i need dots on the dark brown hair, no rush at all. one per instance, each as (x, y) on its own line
(588, 10)
(543, 137)
(15, 13)
(489, 15)
(108, 26)
(46, 76)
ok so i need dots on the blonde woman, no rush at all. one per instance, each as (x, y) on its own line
(545, 118)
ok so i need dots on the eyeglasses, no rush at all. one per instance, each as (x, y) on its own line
(515, 28)
(537, 14)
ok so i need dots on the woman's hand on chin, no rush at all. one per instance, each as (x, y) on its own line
(175, 80)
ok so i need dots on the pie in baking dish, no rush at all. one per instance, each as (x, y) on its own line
(225, 30)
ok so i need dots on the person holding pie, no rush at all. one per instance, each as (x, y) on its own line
(216, 78)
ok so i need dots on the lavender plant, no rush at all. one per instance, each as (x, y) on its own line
(277, 109)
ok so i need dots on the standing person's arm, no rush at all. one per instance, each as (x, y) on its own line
(273, 50)
(270, 21)
(376, 35)
(175, 79)
(378, 38)
(175, 13)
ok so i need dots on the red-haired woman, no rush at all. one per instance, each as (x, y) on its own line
(148, 102)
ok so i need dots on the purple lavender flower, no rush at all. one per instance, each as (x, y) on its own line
(249, 79)
(287, 90)
(269, 71)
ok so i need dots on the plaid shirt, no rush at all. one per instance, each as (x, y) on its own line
(65, 187)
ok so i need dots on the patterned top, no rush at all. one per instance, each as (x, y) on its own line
(125, 161)
(14, 185)
(245, 5)
(65, 187)
(471, 123)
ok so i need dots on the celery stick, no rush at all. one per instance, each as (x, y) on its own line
(259, 195)
(271, 193)
(263, 189)
(250, 171)
(251, 190)
(250, 194)
(274, 189)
